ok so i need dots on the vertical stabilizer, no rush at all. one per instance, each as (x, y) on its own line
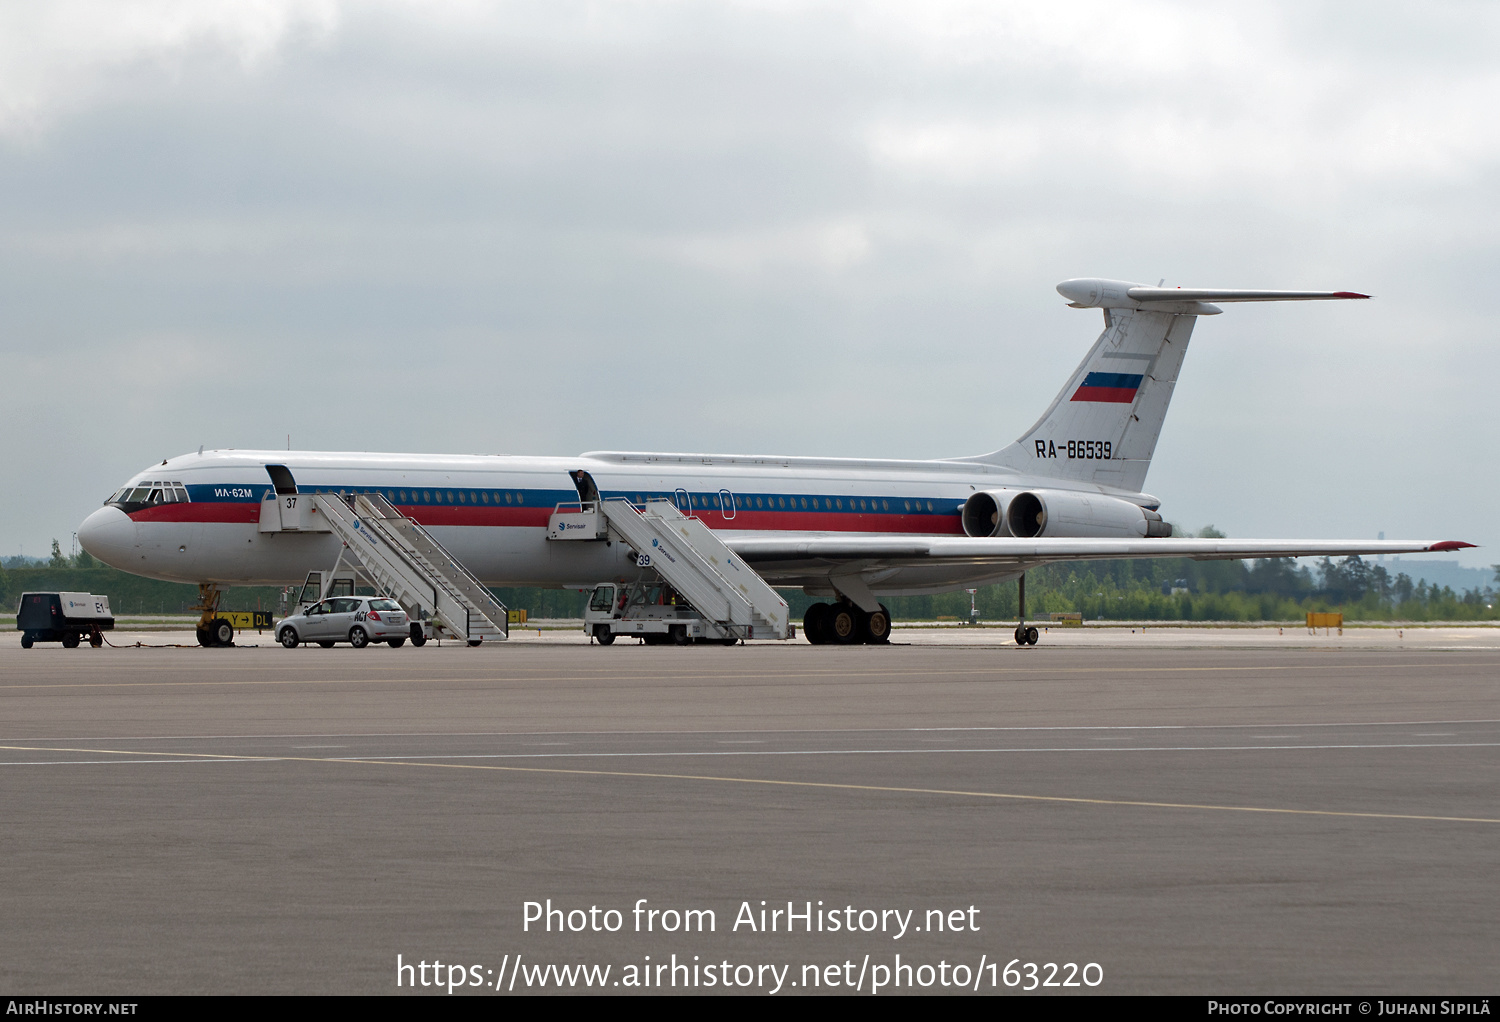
(1103, 425)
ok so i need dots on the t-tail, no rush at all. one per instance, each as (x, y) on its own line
(1102, 426)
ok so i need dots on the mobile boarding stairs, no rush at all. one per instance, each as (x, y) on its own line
(401, 559)
(688, 556)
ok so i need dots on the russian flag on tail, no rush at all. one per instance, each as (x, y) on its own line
(1116, 388)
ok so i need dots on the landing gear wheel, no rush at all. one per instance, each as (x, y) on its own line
(221, 632)
(603, 635)
(815, 624)
(395, 643)
(26, 640)
(288, 638)
(1032, 635)
(877, 628)
(679, 635)
(843, 626)
(70, 640)
(357, 637)
(418, 637)
(326, 643)
(1021, 635)
(203, 637)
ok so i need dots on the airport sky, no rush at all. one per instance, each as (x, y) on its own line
(766, 227)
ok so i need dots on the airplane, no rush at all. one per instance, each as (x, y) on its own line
(850, 530)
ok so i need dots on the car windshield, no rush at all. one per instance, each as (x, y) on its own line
(384, 605)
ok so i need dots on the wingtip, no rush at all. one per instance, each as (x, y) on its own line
(1349, 294)
(1450, 544)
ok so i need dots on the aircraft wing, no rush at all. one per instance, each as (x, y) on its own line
(1003, 550)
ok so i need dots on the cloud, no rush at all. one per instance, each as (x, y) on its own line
(61, 56)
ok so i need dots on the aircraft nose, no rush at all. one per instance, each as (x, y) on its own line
(109, 535)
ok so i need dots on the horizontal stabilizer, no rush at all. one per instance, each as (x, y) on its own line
(1208, 294)
(1096, 293)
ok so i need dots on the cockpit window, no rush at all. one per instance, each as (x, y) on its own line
(148, 493)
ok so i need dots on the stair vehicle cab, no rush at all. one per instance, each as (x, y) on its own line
(651, 611)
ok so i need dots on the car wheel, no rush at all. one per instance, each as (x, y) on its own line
(357, 638)
(418, 639)
(96, 639)
(70, 640)
(221, 632)
(395, 643)
(603, 635)
(26, 640)
(326, 643)
(289, 638)
(679, 634)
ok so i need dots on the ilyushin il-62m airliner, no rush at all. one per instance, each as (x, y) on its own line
(849, 530)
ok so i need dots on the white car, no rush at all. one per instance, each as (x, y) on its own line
(357, 620)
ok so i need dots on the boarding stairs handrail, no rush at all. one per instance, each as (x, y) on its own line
(405, 561)
(686, 553)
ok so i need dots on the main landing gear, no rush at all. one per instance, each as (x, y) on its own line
(846, 624)
(1026, 635)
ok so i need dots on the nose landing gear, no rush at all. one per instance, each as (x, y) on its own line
(212, 630)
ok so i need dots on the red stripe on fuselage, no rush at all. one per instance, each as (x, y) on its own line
(239, 512)
(243, 513)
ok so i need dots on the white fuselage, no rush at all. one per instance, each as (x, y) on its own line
(492, 511)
